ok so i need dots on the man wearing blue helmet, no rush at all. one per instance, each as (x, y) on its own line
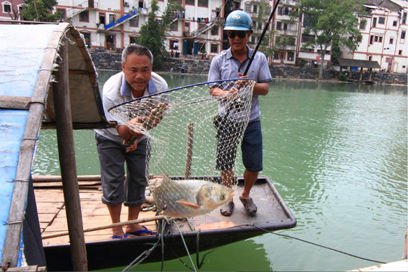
(230, 64)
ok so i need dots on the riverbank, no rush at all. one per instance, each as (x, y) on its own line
(110, 60)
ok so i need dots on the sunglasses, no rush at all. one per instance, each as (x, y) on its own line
(232, 34)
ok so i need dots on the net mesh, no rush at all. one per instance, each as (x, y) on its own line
(191, 133)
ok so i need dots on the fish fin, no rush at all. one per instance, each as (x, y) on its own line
(188, 204)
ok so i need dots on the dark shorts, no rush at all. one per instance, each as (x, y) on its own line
(116, 188)
(252, 147)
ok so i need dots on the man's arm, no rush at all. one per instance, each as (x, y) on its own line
(261, 88)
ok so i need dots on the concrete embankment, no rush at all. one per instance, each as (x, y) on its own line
(110, 60)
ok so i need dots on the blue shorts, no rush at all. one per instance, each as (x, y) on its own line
(251, 147)
(117, 189)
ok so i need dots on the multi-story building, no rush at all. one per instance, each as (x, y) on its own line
(197, 29)
(384, 35)
(114, 24)
(286, 35)
(10, 9)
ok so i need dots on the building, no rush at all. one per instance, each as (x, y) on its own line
(114, 24)
(384, 35)
(10, 9)
(196, 30)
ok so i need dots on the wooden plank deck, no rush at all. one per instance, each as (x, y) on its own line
(52, 215)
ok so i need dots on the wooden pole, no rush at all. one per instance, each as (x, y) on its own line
(135, 221)
(189, 156)
(67, 161)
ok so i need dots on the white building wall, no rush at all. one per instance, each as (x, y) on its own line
(381, 41)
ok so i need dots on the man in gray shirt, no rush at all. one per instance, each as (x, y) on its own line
(117, 146)
(230, 64)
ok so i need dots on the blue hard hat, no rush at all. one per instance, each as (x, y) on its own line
(238, 20)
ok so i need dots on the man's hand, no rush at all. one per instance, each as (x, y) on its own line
(223, 93)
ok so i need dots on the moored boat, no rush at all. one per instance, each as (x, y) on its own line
(176, 239)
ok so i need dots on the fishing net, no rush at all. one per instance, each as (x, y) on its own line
(190, 133)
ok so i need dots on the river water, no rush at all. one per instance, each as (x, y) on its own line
(337, 154)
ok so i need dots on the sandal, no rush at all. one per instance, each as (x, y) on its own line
(227, 209)
(141, 232)
(249, 205)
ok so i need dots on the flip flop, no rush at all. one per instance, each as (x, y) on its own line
(249, 205)
(119, 237)
(227, 209)
(142, 232)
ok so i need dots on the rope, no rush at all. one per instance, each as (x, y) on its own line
(145, 254)
(318, 245)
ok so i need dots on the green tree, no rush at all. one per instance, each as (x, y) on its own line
(332, 23)
(39, 10)
(153, 32)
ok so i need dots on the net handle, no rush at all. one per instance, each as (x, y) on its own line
(177, 88)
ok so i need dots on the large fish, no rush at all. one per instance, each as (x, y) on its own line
(188, 198)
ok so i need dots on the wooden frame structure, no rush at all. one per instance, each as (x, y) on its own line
(49, 73)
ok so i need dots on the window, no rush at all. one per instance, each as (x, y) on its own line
(87, 38)
(215, 31)
(290, 56)
(394, 23)
(381, 20)
(371, 39)
(111, 18)
(6, 7)
(391, 40)
(214, 48)
(403, 35)
(190, 2)
(404, 18)
(374, 21)
(400, 52)
(134, 22)
(61, 14)
(203, 3)
(174, 26)
(174, 44)
(84, 16)
(110, 41)
(247, 7)
(132, 39)
(363, 24)
(255, 8)
(380, 39)
(279, 25)
(102, 18)
(307, 38)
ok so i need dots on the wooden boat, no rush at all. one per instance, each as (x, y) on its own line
(51, 82)
(199, 233)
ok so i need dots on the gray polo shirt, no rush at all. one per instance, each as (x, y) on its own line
(117, 91)
(224, 66)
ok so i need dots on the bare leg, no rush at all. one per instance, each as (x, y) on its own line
(132, 215)
(249, 181)
(227, 179)
(114, 211)
(136, 229)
